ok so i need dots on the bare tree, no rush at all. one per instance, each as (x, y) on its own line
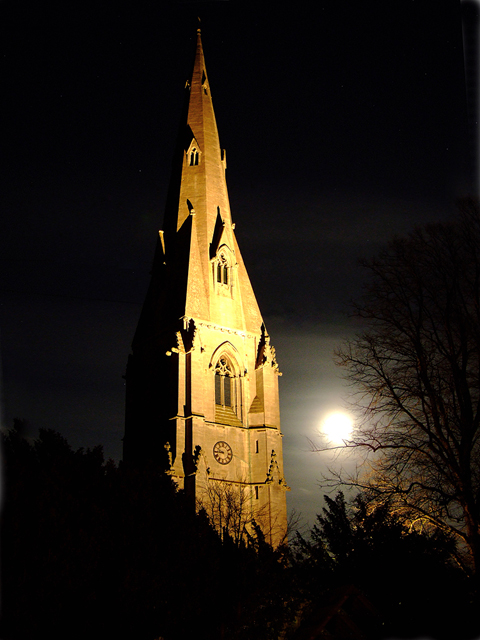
(229, 507)
(415, 372)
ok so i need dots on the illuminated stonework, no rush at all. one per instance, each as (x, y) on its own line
(202, 379)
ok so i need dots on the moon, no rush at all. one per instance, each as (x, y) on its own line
(337, 427)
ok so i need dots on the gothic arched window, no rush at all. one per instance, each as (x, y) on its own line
(222, 270)
(193, 157)
(224, 383)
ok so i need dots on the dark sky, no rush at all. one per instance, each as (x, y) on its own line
(344, 124)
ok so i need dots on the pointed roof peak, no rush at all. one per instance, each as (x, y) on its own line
(199, 62)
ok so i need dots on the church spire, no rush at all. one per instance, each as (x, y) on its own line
(198, 224)
(202, 378)
(202, 185)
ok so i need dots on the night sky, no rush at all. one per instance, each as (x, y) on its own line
(343, 123)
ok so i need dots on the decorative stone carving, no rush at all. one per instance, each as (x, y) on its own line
(170, 470)
(266, 352)
(274, 472)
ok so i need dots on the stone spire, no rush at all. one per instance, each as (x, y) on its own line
(197, 228)
(202, 379)
(202, 184)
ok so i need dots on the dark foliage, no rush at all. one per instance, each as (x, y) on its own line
(93, 550)
(408, 576)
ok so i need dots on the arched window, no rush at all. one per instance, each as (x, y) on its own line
(193, 157)
(228, 387)
(224, 383)
(222, 270)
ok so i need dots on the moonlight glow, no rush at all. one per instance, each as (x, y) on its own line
(337, 427)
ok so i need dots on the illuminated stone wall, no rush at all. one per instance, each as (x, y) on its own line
(202, 379)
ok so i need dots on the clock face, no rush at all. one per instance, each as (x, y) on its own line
(222, 452)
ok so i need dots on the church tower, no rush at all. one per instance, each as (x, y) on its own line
(202, 379)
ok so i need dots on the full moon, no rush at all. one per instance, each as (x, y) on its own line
(337, 426)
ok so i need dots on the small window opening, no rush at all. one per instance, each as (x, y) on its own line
(227, 391)
(256, 446)
(223, 383)
(218, 388)
(256, 493)
(193, 157)
(222, 271)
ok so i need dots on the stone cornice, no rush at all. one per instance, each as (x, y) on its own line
(217, 327)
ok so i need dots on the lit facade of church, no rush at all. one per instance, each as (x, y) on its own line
(202, 379)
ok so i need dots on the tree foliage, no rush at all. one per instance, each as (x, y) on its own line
(99, 550)
(407, 575)
(415, 372)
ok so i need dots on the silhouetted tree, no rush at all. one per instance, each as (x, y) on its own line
(92, 549)
(98, 550)
(416, 376)
(231, 511)
(409, 576)
(53, 528)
